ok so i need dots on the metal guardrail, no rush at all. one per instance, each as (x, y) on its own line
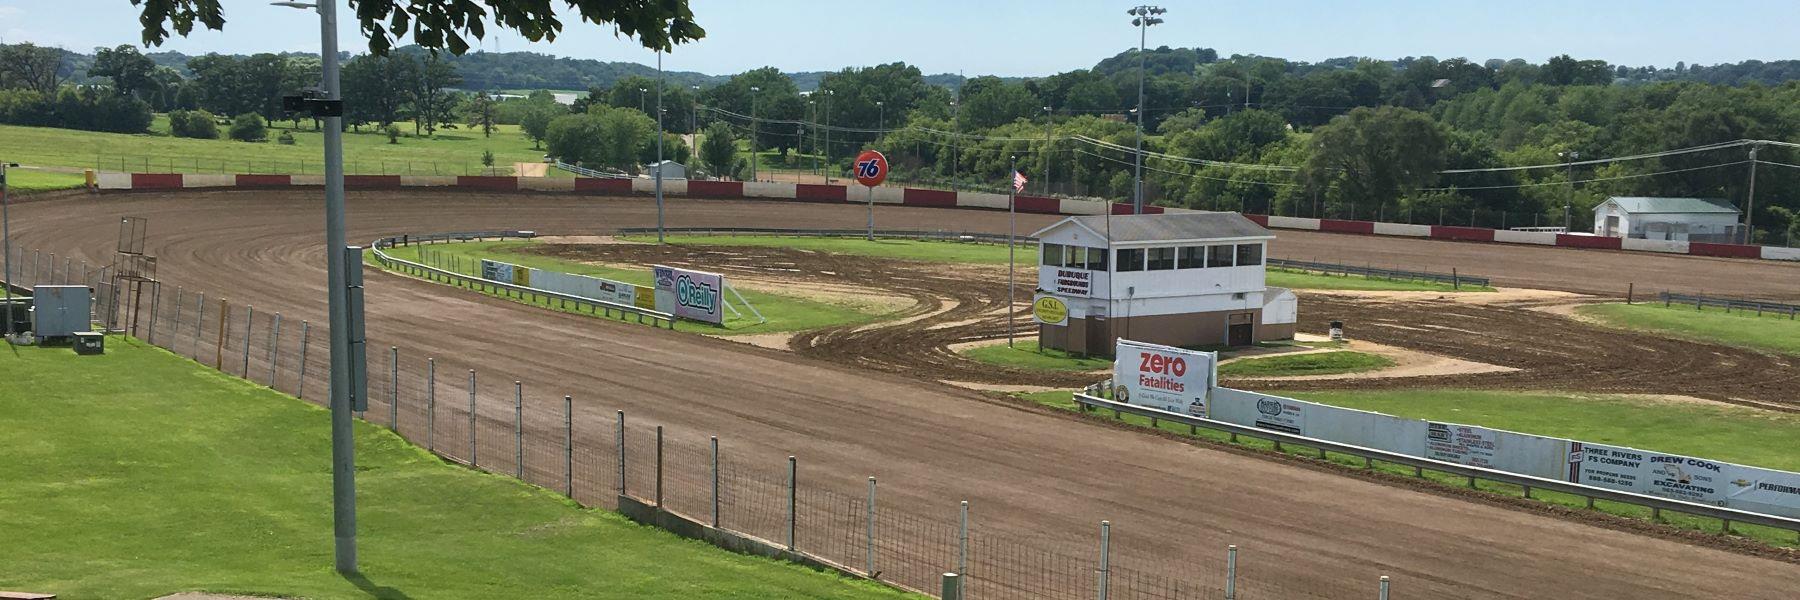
(1529, 483)
(601, 307)
(1452, 278)
(1758, 306)
(594, 173)
(910, 234)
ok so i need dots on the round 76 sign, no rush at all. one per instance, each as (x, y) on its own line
(871, 168)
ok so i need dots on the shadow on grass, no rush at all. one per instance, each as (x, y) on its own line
(369, 587)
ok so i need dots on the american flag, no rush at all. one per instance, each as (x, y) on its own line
(1018, 181)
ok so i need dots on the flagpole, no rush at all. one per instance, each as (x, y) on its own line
(1011, 224)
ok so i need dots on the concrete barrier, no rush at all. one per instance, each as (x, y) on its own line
(980, 200)
(1279, 222)
(488, 182)
(313, 180)
(1337, 226)
(429, 180)
(603, 185)
(932, 198)
(1775, 253)
(267, 180)
(1402, 229)
(1724, 250)
(711, 189)
(155, 181)
(644, 185)
(1588, 241)
(769, 189)
(1541, 238)
(1083, 207)
(1038, 205)
(1469, 234)
(547, 184)
(1668, 246)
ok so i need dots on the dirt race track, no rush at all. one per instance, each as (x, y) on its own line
(1043, 477)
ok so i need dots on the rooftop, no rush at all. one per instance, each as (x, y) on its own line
(1644, 205)
(1170, 227)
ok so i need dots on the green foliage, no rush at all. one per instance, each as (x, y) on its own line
(992, 103)
(197, 124)
(131, 72)
(718, 149)
(603, 136)
(1319, 363)
(1769, 332)
(393, 133)
(487, 158)
(1025, 354)
(286, 138)
(249, 127)
(1374, 155)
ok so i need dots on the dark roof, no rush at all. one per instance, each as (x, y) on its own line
(1175, 226)
(1643, 205)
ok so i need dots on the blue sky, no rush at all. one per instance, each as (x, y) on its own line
(1012, 37)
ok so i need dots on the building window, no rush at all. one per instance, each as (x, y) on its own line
(1191, 257)
(1219, 256)
(1096, 258)
(1053, 255)
(1162, 259)
(1131, 259)
(1249, 255)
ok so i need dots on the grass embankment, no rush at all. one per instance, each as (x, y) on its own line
(1026, 354)
(32, 181)
(450, 152)
(1721, 432)
(140, 473)
(1319, 363)
(784, 313)
(1768, 332)
(1304, 280)
(920, 250)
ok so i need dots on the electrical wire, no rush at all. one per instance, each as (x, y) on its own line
(1596, 179)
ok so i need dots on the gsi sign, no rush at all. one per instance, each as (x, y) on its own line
(1164, 377)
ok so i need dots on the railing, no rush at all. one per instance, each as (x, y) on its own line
(594, 173)
(593, 306)
(1529, 483)
(1541, 229)
(910, 234)
(1760, 306)
(1452, 277)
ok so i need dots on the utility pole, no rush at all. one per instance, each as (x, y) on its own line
(827, 170)
(1750, 201)
(1142, 17)
(659, 148)
(955, 128)
(753, 91)
(1048, 120)
(1569, 158)
(6, 232)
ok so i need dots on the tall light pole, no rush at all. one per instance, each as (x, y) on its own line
(346, 376)
(827, 170)
(6, 232)
(881, 121)
(1750, 202)
(659, 148)
(1569, 158)
(753, 91)
(955, 128)
(694, 112)
(1142, 17)
(1048, 120)
(641, 98)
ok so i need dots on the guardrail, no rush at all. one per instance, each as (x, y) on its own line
(586, 172)
(910, 234)
(593, 306)
(1727, 515)
(1729, 303)
(1452, 278)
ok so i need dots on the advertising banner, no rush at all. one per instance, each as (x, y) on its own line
(694, 295)
(493, 270)
(1164, 377)
(1074, 282)
(1049, 310)
(1461, 444)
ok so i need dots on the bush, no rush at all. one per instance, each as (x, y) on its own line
(393, 133)
(286, 138)
(487, 158)
(197, 124)
(249, 127)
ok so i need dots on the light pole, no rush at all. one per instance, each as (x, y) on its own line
(1569, 158)
(346, 376)
(1048, 120)
(955, 128)
(659, 147)
(641, 99)
(827, 171)
(753, 91)
(1750, 201)
(1143, 17)
(694, 112)
(881, 121)
(6, 232)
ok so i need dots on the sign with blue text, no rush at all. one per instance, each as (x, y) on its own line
(692, 295)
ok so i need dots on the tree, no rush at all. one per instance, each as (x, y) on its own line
(377, 89)
(535, 118)
(193, 124)
(604, 136)
(1379, 155)
(1565, 70)
(32, 67)
(131, 72)
(432, 103)
(441, 25)
(997, 104)
(249, 127)
(718, 151)
(779, 99)
(480, 110)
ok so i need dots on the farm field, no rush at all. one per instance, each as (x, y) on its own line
(1770, 332)
(156, 437)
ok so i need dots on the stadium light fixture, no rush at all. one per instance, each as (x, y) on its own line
(1143, 16)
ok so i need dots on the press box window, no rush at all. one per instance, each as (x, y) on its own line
(1219, 256)
(1096, 258)
(1053, 255)
(1162, 259)
(1131, 259)
(1191, 257)
(1249, 255)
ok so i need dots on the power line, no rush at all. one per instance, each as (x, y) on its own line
(1596, 179)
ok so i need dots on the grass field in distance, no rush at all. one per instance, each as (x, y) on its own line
(1769, 332)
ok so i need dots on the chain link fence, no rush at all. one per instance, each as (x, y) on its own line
(297, 166)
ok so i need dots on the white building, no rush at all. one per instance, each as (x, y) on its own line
(1678, 219)
(1184, 279)
(670, 170)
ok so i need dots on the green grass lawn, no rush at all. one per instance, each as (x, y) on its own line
(784, 313)
(450, 152)
(1737, 328)
(31, 181)
(1302, 280)
(1321, 363)
(1727, 433)
(139, 473)
(1026, 354)
(920, 250)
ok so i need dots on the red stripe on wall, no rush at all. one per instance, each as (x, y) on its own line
(153, 181)
(380, 182)
(1725, 250)
(1588, 241)
(1262, 220)
(821, 193)
(1448, 232)
(1338, 226)
(715, 189)
(611, 185)
(1037, 204)
(488, 182)
(245, 180)
(937, 198)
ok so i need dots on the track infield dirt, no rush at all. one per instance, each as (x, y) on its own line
(1045, 478)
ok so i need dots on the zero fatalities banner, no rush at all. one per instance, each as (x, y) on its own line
(693, 295)
(1164, 377)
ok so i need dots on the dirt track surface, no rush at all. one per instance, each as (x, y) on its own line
(1040, 477)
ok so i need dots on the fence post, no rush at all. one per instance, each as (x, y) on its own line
(1455, 280)
(869, 537)
(1384, 587)
(1231, 572)
(519, 430)
(199, 320)
(474, 456)
(155, 304)
(1105, 558)
(180, 295)
(274, 350)
(659, 466)
(1630, 292)
(962, 544)
(621, 442)
(305, 335)
(952, 588)
(249, 323)
(394, 388)
(569, 444)
(431, 404)
(793, 500)
(715, 481)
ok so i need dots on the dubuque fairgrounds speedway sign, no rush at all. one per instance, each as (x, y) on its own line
(1164, 377)
(692, 295)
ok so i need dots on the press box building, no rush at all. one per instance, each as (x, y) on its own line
(1178, 279)
(1673, 219)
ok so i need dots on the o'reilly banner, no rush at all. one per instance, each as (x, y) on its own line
(693, 295)
(1164, 377)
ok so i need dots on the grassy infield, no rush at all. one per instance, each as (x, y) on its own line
(119, 488)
